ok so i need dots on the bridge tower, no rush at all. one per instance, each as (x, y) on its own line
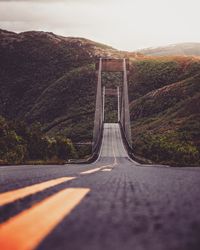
(112, 65)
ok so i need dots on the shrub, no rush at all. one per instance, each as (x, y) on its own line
(62, 148)
(167, 149)
(20, 143)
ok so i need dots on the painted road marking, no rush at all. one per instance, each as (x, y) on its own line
(106, 170)
(26, 230)
(91, 171)
(14, 195)
(96, 169)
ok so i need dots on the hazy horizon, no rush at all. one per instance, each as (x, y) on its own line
(125, 25)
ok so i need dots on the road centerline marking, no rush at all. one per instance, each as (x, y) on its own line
(106, 170)
(91, 171)
(26, 230)
(20, 193)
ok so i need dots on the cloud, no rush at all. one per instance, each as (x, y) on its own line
(127, 24)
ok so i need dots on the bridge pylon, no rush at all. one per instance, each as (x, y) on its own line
(112, 65)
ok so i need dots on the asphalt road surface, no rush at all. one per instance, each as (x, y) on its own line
(112, 204)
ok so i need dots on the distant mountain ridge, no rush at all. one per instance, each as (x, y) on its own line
(8, 38)
(180, 49)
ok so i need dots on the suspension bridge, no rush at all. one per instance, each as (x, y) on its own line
(119, 133)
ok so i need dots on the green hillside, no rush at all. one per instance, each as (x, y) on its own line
(52, 80)
(165, 101)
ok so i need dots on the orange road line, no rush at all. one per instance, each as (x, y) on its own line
(26, 230)
(14, 195)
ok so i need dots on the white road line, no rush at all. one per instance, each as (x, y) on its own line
(106, 170)
(91, 171)
(94, 170)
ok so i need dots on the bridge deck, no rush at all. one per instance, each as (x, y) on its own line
(112, 149)
(112, 144)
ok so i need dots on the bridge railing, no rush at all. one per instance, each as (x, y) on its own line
(124, 108)
(112, 65)
(99, 116)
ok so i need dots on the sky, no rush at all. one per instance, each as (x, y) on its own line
(123, 24)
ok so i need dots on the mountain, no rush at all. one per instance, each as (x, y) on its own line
(165, 101)
(48, 78)
(51, 79)
(181, 49)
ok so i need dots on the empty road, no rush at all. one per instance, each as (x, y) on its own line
(112, 204)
